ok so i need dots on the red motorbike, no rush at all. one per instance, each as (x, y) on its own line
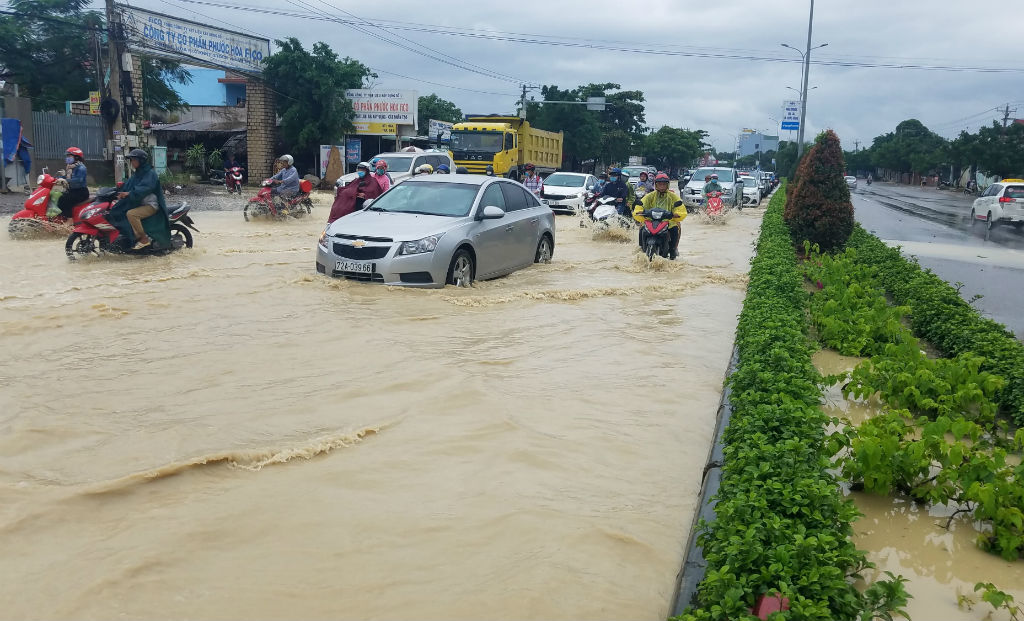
(263, 204)
(655, 238)
(32, 219)
(233, 180)
(93, 233)
(714, 207)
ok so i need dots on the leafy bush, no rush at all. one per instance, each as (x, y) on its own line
(819, 208)
(195, 157)
(939, 315)
(781, 524)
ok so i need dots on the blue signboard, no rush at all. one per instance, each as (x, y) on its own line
(791, 115)
(353, 150)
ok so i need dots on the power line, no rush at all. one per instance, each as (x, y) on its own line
(762, 56)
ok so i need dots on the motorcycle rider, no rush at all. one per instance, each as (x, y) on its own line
(532, 180)
(75, 173)
(617, 187)
(141, 197)
(380, 174)
(662, 198)
(602, 181)
(443, 170)
(286, 181)
(230, 163)
(423, 169)
(351, 197)
(646, 181)
(490, 171)
(712, 185)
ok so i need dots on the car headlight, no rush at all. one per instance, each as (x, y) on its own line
(323, 239)
(420, 246)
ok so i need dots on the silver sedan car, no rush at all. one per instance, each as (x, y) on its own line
(434, 230)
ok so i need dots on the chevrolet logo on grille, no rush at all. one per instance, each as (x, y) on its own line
(359, 243)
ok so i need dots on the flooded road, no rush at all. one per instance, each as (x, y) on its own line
(222, 433)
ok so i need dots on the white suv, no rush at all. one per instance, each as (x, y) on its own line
(1002, 202)
(401, 164)
(693, 192)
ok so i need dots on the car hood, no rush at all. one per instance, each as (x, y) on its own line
(397, 226)
(561, 191)
(699, 185)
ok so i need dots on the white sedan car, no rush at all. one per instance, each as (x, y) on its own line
(565, 192)
(751, 190)
(851, 182)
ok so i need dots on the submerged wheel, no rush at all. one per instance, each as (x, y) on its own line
(461, 270)
(544, 250)
(181, 237)
(79, 243)
(974, 219)
(989, 224)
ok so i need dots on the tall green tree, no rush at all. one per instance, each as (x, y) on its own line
(47, 47)
(671, 147)
(433, 107)
(310, 89)
(581, 128)
(1000, 150)
(911, 148)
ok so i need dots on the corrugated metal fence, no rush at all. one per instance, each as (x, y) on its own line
(55, 132)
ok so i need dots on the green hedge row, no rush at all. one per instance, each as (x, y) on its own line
(940, 316)
(781, 524)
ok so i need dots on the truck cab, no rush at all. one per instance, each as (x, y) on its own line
(506, 143)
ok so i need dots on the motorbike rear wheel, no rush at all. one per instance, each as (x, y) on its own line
(80, 243)
(181, 237)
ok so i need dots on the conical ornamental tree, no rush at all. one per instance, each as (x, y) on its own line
(819, 208)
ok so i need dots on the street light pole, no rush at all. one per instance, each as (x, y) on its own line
(803, 99)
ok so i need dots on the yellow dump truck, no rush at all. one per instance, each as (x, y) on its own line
(505, 142)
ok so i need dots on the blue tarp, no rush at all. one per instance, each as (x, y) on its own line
(12, 138)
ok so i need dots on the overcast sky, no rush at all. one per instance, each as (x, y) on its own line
(719, 95)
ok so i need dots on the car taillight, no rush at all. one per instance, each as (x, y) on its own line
(1005, 199)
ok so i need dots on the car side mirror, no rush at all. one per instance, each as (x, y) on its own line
(490, 212)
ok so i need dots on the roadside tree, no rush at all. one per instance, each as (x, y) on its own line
(433, 107)
(310, 89)
(672, 147)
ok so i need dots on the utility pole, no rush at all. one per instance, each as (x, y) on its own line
(1006, 115)
(856, 145)
(522, 104)
(116, 127)
(803, 98)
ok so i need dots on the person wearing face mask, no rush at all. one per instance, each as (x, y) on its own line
(380, 175)
(490, 171)
(351, 197)
(75, 173)
(617, 188)
(662, 198)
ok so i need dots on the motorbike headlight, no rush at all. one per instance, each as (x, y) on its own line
(420, 246)
(323, 239)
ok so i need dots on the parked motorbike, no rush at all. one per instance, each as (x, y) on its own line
(654, 237)
(93, 233)
(33, 218)
(264, 205)
(233, 180)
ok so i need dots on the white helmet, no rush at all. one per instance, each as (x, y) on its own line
(287, 159)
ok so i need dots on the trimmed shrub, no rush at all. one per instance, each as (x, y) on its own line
(819, 209)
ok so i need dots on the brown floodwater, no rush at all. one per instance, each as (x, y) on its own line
(222, 433)
(911, 540)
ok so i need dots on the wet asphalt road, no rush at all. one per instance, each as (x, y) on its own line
(934, 226)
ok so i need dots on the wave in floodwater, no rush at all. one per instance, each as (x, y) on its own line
(252, 460)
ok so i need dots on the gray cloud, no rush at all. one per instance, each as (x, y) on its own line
(719, 95)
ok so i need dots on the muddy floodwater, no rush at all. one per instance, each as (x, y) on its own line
(912, 540)
(222, 433)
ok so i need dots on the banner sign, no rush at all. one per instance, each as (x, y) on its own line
(440, 127)
(353, 150)
(191, 42)
(94, 102)
(325, 154)
(364, 128)
(396, 107)
(791, 115)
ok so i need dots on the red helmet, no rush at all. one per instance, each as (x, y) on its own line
(661, 177)
(528, 166)
(380, 164)
(75, 151)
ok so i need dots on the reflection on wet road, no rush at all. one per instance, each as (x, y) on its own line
(933, 226)
(222, 433)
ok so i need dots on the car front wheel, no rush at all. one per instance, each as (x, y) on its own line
(545, 249)
(460, 272)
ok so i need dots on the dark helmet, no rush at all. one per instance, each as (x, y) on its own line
(443, 168)
(139, 154)
(616, 171)
(529, 166)
(490, 169)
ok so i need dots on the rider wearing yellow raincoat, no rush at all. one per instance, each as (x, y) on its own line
(662, 198)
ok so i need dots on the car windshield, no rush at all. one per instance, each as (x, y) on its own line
(631, 171)
(1014, 191)
(396, 163)
(563, 180)
(489, 142)
(429, 198)
(723, 175)
(851, 178)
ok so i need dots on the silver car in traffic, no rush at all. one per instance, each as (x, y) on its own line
(433, 230)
